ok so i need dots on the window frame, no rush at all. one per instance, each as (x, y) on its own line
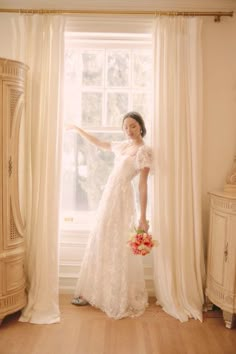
(117, 41)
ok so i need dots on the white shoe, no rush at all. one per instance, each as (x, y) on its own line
(79, 301)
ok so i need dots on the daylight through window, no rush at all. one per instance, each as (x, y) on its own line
(105, 77)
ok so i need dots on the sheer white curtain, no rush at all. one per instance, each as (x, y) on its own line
(177, 139)
(40, 42)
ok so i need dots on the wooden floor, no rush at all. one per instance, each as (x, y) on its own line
(86, 330)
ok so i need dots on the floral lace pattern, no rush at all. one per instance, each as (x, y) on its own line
(111, 278)
(144, 157)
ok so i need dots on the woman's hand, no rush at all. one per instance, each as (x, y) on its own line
(143, 225)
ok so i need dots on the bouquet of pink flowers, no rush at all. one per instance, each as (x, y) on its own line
(141, 242)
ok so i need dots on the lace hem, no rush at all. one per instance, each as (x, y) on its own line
(130, 312)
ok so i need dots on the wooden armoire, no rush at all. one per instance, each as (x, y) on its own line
(12, 186)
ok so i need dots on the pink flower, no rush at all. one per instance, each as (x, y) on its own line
(141, 243)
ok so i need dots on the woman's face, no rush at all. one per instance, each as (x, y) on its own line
(132, 128)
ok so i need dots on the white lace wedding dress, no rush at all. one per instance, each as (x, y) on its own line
(111, 277)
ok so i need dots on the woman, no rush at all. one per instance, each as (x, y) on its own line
(111, 277)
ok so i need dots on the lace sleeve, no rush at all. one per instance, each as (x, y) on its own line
(144, 158)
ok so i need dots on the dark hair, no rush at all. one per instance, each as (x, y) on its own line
(136, 116)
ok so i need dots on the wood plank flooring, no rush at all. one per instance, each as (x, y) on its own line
(86, 330)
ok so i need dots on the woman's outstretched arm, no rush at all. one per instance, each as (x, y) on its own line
(91, 138)
(143, 191)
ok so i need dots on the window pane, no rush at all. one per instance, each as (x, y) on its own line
(71, 84)
(117, 106)
(92, 72)
(71, 102)
(104, 79)
(142, 69)
(91, 108)
(71, 64)
(142, 104)
(85, 171)
(118, 68)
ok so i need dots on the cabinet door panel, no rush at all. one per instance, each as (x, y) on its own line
(230, 258)
(14, 274)
(13, 104)
(12, 185)
(1, 278)
(218, 241)
(1, 169)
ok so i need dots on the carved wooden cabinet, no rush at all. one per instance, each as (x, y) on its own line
(12, 184)
(221, 267)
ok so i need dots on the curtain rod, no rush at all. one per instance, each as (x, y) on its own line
(217, 15)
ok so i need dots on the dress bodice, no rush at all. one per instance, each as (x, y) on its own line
(129, 160)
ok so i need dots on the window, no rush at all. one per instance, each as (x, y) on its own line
(106, 75)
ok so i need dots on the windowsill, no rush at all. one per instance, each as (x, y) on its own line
(76, 222)
(74, 228)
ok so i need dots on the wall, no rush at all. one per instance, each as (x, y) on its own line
(6, 36)
(120, 4)
(219, 89)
